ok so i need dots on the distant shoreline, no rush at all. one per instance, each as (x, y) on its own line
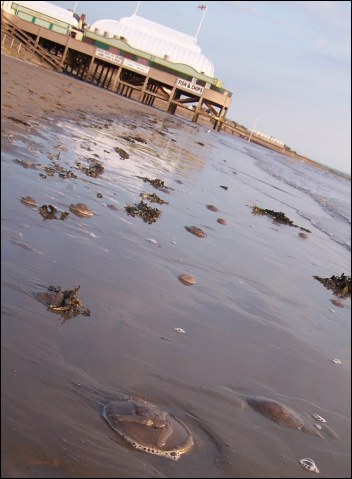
(245, 134)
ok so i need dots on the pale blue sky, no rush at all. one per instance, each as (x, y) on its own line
(288, 64)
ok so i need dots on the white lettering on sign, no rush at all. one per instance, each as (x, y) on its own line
(108, 56)
(187, 85)
(135, 66)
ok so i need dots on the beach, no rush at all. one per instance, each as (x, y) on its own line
(256, 322)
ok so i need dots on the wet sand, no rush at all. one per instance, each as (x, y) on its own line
(256, 322)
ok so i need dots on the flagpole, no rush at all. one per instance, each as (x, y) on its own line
(137, 8)
(74, 8)
(255, 124)
(200, 23)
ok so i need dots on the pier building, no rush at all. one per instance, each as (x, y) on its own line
(133, 57)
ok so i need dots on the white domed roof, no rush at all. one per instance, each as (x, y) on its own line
(158, 40)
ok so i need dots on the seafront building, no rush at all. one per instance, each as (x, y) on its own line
(133, 57)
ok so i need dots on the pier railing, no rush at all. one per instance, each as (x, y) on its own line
(19, 39)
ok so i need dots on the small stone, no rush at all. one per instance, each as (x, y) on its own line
(309, 464)
(179, 330)
(319, 418)
(152, 241)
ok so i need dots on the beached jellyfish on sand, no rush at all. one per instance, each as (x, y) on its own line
(148, 428)
(29, 201)
(212, 208)
(303, 235)
(196, 231)
(276, 411)
(338, 303)
(285, 416)
(222, 221)
(187, 279)
(80, 209)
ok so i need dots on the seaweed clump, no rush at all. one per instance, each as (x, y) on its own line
(123, 154)
(157, 183)
(340, 285)
(94, 170)
(48, 212)
(134, 139)
(64, 302)
(149, 215)
(153, 198)
(55, 167)
(277, 216)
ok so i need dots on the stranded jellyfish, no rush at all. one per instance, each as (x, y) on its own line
(276, 411)
(196, 231)
(80, 209)
(187, 279)
(212, 208)
(29, 200)
(222, 221)
(148, 428)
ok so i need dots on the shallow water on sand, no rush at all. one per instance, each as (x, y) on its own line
(256, 321)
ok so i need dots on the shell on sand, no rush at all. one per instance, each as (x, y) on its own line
(29, 200)
(187, 279)
(80, 209)
(303, 235)
(196, 231)
(276, 411)
(148, 428)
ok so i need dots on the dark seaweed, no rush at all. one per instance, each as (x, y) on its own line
(277, 216)
(340, 285)
(64, 302)
(149, 215)
(153, 198)
(48, 212)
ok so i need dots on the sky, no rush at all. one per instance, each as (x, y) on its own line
(288, 64)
